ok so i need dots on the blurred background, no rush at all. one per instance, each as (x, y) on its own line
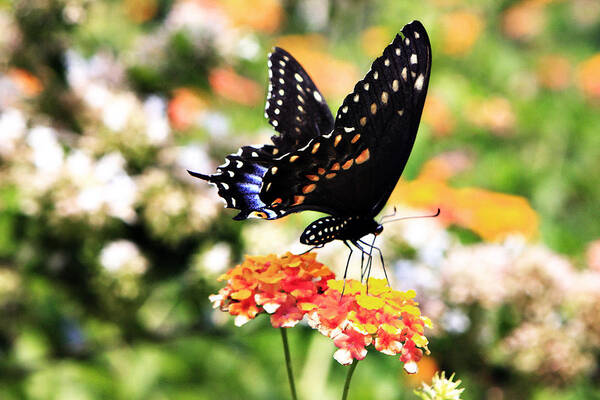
(109, 250)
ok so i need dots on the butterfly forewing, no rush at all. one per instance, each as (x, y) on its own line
(385, 109)
(295, 107)
(353, 170)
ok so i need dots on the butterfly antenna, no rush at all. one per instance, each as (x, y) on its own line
(388, 216)
(414, 217)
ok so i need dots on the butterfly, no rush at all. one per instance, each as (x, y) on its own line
(347, 167)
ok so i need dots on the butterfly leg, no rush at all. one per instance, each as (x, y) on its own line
(369, 260)
(373, 247)
(364, 269)
(362, 259)
(346, 269)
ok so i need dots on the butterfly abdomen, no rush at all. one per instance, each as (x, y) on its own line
(327, 229)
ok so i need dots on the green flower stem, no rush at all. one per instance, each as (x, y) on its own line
(348, 379)
(288, 363)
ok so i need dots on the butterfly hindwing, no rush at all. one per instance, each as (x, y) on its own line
(239, 181)
(294, 106)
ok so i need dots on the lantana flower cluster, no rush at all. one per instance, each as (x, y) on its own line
(354, 315)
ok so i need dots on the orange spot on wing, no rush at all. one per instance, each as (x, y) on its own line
(276, 202)
(293, 158)
(313, 178)
(347, 164)
(337, 140)
(315, 148)
(259, 214)
(355, 138)
(362, 157)
(321, 171)
(298, 200)
(335, 167)
(308, 188)
(331, 175)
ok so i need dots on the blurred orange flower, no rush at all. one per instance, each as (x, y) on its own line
(438, 116)
(554, 72)
(593, 255)
(29, 84)
(445, 165)
(260, 15)
(525, 19)
(185, 108)
(491, 215)
(226, 83)
(335, 78)
(374, 39)
(427, 369)
(460, 31)
(140, 10)
(588, 75)
(494, 114)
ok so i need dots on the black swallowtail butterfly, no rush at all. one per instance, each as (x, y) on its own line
(346, 168)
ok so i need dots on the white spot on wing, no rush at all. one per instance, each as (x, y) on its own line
(298, 77)
(317, 96)
(413, 58)
(419, 82)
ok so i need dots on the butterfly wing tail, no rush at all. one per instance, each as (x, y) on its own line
(199, 175)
